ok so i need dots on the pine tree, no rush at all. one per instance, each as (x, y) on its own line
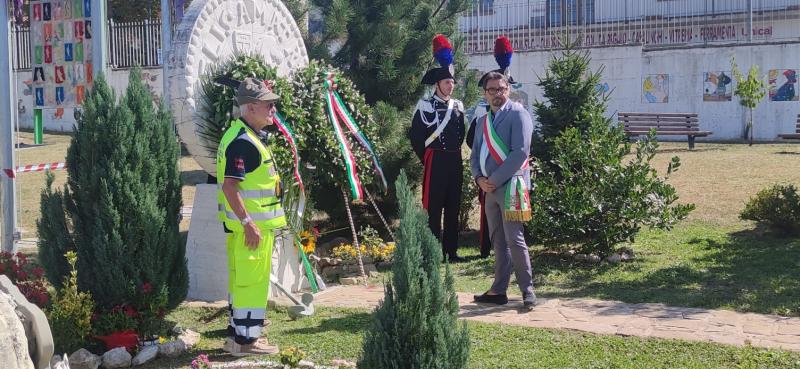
(385, 44)
(120, 207)
(571, 99)
(416, 326)
(591, 188)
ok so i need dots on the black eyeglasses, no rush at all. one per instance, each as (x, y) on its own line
(494, 91)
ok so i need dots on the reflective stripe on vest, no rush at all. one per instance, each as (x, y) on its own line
(256, 216)
(253, 194)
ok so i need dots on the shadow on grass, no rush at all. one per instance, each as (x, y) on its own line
(748, 270)
(787, 153)
(351, 323)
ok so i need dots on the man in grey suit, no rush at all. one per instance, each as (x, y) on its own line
(499, 164)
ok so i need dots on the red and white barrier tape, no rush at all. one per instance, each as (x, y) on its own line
(12, 173)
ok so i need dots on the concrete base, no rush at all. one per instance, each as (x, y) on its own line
(206, 259)
(36, 329)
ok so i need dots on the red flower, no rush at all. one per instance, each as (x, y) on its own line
(116, 308)
(147, 288)
(38, 272)
(131, 312)
(22, 276)
(2, 268)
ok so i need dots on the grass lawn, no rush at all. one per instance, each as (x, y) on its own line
(337, 334)
(694, 265)
(711, 260)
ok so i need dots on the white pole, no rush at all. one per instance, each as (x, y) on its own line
(166, 42)
(100, 41)
(6, 132)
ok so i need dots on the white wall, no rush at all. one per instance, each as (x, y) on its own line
(54, 120)
(625, 68)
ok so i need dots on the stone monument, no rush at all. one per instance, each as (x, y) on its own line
(211, 31)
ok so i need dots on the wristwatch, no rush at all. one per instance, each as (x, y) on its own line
(246, 220)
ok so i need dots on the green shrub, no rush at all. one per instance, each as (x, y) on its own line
(778, 207)
(469, 196)
(71, 313)
(590, 187)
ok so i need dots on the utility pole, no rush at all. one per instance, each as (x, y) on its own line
(7, 116)
(749, 20)
(100, 40)
(166, 44)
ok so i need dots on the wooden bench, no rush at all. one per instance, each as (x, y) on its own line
(674, 124)
(795, 135)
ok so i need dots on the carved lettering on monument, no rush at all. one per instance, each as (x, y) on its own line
(211, 31)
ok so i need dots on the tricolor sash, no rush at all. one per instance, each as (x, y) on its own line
(517, 204)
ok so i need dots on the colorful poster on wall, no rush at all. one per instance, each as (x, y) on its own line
(655, 88)
(717, 86)
(783, 85)
(62, 52)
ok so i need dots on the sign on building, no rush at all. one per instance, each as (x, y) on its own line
(61, 47)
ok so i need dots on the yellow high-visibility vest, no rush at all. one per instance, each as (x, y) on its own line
(258, 189)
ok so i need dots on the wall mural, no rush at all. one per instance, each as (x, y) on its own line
(655, 88)
(61, 44)
(717, 86)
(783, 85)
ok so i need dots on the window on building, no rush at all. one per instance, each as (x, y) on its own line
(482, 7)
(572, 12)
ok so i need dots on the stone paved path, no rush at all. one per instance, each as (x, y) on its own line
(608, 317)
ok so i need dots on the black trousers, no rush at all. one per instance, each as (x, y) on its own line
(442, 195)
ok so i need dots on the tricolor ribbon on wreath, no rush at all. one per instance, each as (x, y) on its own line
(337, 114)
(287, 133)
(517, 204)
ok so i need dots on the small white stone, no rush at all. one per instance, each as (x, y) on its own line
(117, 358)
(171, 349)
(189, 338)
(146, 355)
(83, 359)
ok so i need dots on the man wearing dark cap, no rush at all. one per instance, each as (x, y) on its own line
(437, 133)
(250, 211)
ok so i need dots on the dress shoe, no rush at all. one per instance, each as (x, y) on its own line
(492, 299)
(456, 259)
(529, 301)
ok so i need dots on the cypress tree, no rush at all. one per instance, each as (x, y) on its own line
(120, 207)
(416, 325)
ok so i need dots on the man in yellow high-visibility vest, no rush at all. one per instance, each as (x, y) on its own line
(250, 210)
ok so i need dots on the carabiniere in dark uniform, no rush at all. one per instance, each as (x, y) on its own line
(437, 133)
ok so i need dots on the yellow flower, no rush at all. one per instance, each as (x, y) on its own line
(161, 339)
(309, 241)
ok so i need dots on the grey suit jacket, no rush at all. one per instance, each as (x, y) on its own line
(514, 126)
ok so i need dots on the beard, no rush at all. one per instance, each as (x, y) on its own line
(498, 101)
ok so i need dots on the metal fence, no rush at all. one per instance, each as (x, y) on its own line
(544, 24)
(129, 44)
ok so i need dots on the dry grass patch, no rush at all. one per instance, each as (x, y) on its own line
(720, 178)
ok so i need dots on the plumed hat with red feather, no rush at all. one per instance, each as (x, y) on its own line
(502, 54)
(443, 52)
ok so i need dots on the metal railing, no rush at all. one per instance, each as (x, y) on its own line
(135, 43)
(129, 44)
(542, 24)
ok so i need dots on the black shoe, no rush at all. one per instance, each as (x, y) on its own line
(456, 259)
(492, 299)
(529, 301)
